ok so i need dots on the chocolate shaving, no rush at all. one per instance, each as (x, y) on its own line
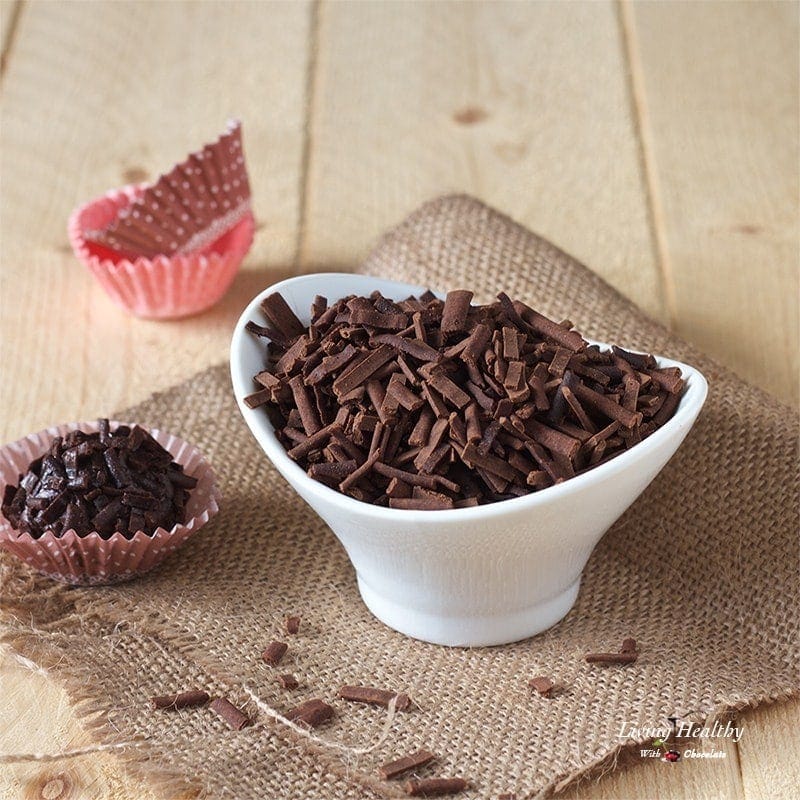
(607, 407)
(542, 684)
(357, 374)
(172, 702)
(274, 652)
(375, 697)
(312, 713)
(434, 787)
(288, 681)
(281, 317)
(394, 769)
(473, 457)
(449, 390)
(628, 657)
(404, 396)
(235, 718)
(292, 625)
(454, 315)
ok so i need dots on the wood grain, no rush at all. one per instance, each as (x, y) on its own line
(690, 779)
(9, 14)
(526, 105)
(769, 751)
(78, 120)
(35, 715)
(657, 142)
(720, 109)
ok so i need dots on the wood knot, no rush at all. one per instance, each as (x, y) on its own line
(470, 115)
(511, 151)
(748, 228)
(135, 174)
(53, 786)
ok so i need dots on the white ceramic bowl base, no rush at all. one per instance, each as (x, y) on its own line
(471, 576)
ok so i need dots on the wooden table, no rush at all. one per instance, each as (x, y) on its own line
(658, 142)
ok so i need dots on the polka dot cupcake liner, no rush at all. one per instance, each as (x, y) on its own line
(90, 559)
(162, 287)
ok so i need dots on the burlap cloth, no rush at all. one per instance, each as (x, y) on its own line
(702, 571)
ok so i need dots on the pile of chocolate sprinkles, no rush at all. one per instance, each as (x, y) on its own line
(431, 404)
(121, 480)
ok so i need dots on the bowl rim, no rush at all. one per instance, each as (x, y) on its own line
(691, 402)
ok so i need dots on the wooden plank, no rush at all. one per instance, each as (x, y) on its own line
(35, 716)
(9, 12)
(720, 109)
(696, 777)
(78, 119)
(481, 150)
(524, 104)
(88, 106)
(690, 779)
(769, 751)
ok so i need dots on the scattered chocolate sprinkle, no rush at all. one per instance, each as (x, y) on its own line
(235, 718)
(434, 787)
(375, 697)
(394, 769)
(274, 652)
(612, 658)
(541, 684)
(171, 702)
(110, 481)
(428, 404)
(288, 681)
(292, 624)
(628, 646)
(311, 713)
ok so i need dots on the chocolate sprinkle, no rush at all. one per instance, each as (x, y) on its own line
(427, 404)
(293, 624)
(274, 652)
(434, 787)
(394, 769)
(311, 713)
(235, 718)
(288, 681)
(172, 702)
(375, 697)
(542, 684)
(627, 657)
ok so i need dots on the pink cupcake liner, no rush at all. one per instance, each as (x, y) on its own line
(92, 560)
(164, 287)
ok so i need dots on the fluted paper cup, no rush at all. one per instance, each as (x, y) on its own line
(163, 287)
(90, 559)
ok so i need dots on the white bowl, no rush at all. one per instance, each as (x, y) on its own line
(477, 576)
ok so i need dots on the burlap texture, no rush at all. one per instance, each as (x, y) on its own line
(702, 571)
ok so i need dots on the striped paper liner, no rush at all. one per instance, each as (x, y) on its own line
(186, 209)
(163, 287)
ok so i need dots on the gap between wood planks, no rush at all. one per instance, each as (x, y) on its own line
(9, 33)
(308, 130)
(644, 136)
